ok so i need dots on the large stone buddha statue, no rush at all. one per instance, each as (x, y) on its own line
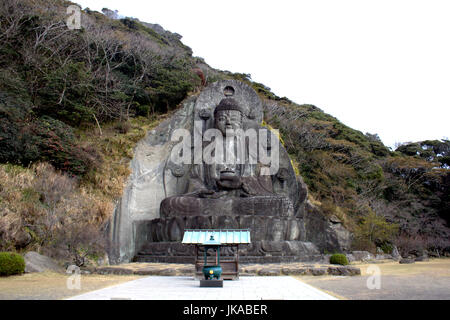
(232, 184)
(238, 190)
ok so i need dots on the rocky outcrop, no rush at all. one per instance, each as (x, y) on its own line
(363, 256)
(395, 254)
(327, 233)
(291, 269)
(35, 262)
(344, 271)
(149, 183)
(407, 261)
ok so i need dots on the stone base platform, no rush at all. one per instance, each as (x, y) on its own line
(271, 269)
(242, 259)
(256, 252)
(263, 228)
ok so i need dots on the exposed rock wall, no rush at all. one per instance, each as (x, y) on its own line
(147, 186)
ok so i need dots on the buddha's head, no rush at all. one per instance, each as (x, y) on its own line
(228, 115)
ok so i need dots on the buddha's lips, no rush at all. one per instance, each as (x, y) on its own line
(227, 172)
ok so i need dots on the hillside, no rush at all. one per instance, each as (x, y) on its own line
(73, 103)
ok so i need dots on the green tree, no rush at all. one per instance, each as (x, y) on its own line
(374, 228)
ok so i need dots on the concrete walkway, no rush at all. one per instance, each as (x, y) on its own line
(186, 288)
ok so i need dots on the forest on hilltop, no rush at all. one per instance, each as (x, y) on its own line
(73, 103)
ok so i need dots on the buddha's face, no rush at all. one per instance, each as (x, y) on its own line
(230, 120)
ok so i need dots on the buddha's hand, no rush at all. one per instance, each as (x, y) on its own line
(229, 182)
(205, 193)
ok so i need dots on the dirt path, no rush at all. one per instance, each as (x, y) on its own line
(53, 286)
(421, 280)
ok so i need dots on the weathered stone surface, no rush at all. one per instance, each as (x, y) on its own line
(418, 253)
(269, 272)
(113, 270)
(167, 249)
(294, 271)
(257, 251)
(168, 272)
(255, 206)
(395, 254)
(327, 233)
(243, 269)
(407, 261)
(383, 256)
(147, 272)
(317, 271)
(35, 262)
(22, 239)
(103, 261)
(266, 228)
(344, 271)
(237, 187)
(188, 270)
(434, 254)
(422, 258)
(151, 181)
(362, 256)
(162, 269)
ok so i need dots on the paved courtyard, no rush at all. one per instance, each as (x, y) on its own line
(186, 288)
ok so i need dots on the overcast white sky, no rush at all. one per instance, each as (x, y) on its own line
(380, 66)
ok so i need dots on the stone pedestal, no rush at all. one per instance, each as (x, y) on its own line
(211, 283)
(257, 252)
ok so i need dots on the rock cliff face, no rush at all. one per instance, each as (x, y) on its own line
(146, 186)
(284, 226)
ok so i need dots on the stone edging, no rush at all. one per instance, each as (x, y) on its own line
(245, 270)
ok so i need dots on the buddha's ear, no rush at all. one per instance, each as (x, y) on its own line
(251, 114)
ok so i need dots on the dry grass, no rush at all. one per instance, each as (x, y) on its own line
(427, 280)
(53, 286)
(434, 267)
(116, 148)
(38, 203)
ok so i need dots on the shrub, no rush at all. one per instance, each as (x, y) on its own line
(170, 83)
(387, 248)
(11, 263)
(339, 258)
(143, 110)
(123, 127)
(374, 228)
(25, 140)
